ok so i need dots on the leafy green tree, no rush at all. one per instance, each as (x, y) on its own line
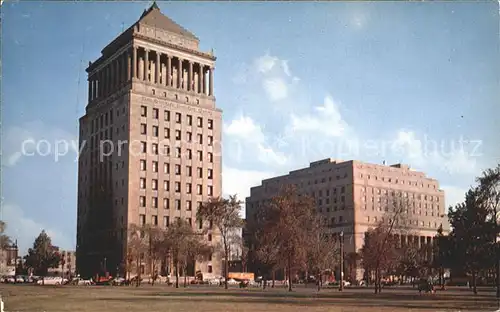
(472, 235)
(42, 256)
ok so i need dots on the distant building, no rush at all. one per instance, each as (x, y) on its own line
(151, 94)
(352, 194)
(8, 259)
(67, 266)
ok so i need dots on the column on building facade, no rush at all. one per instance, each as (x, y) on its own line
(128, 65)
(104, 81)
(157, 68)
(124, 66)
(146, 65)
(163, 73)
(90, 89)
(211, 82)
(179, 74)
(169, 71)
(134, 62)
(204, 81)
(200, 78)
(190, 77)
(116, 73)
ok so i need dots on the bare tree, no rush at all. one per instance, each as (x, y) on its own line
(288, 221)
(224, 214)
(323, 250)
(379, 252)
(137, 247)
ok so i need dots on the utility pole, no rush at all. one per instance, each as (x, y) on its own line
(341, 287)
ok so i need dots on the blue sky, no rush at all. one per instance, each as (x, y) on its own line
(297, 82)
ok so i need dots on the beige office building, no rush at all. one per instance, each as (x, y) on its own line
(353, 196)
(150, 141)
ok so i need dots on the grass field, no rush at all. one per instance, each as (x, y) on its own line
(163, 298)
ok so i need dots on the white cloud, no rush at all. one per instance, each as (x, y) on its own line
(24, 229)
(34, 131)
(276, 88)
(423, 152)
(326, 120)
(453, 195)
(247, 134)
(265, 63)
(237, 181)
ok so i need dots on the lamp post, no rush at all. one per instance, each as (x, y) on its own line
(341, 286)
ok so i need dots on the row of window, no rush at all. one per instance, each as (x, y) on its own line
(397, 181)
(178, 117)
(178, 171)
(166, 222)
(406, 222)
(178, 151)
(166, 203)
(404, 194)
(178, 136)
(177, 187)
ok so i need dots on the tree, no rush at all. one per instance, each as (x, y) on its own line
(137, 247)
(184, 244)
(379, 252)
(472, 234)
(287, 223)
(156, 252)
(443, 253)
(489, 190)
(42, 255)
(224, 214)
(322, 250)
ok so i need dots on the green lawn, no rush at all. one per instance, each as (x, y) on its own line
(163, 298)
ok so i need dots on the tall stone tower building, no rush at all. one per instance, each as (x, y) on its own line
(150, 141)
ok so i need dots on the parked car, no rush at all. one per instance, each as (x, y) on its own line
(52, 280)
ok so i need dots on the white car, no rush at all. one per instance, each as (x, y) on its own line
(232, 282)
(52, 280)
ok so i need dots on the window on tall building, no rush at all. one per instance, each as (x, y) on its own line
(189, 120)
(142, 201)
(166, 150)
(177, 117)
(142, 219)
(154, 184)
(178, 204)
(166, 168)
(210, 174)
(189, 153)
(188, 171)
(210, 140)
(177, 169)
(178, 152)
(200, 139)
(155, 113)
(143, 147)
(200, 122)
(166, 115)
(154, 202)
(189, 136)
(142, 183)
(155, 131)
(210, 124)
(210, 270)
(144, 111)
(199, 172)
(166, 133)
(177, 187)
(143, 128)
(188, 188)
(154, 220)
(200, 155)
(142, 165)
(199, 189)
(166, 222)
(178, 134)
(210, 157)
(155, 166)
(166, 203)
(166, 185)
(210, 190)
(155, 148)
(189, 221)
(189, 205)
